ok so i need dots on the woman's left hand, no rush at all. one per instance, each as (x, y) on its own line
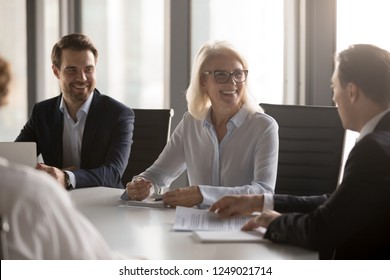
(187, 197)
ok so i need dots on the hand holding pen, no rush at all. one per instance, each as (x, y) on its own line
(139, 188)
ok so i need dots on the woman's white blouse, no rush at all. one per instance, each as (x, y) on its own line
(245, 162)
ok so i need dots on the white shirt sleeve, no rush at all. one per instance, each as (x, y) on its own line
(44, 223)
(268, 202)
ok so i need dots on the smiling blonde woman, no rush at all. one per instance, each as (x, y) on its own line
(225, 142)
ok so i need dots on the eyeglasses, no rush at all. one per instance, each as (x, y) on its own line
(222, 77)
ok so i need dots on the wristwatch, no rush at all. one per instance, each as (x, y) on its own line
(68, 184)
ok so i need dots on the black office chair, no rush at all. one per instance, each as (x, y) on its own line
(311, 140)
(151, 133)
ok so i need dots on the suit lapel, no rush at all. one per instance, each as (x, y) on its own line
(57, 128)
(384, 123)
(91, 128)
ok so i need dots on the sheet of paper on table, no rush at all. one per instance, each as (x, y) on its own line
(208, 227)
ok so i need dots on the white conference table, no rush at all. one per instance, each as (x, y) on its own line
(139, 232)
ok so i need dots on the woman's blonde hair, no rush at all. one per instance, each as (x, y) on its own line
(198, 102)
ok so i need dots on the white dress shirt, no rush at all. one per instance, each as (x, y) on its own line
(44, 223)
(72, 136)
(244, 162)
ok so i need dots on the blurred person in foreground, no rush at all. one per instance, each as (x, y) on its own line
(354, 221)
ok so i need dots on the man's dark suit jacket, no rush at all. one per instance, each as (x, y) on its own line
(106, 142)
(354, 221)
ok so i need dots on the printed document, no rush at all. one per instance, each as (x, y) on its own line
(191, 219)
(208, 227)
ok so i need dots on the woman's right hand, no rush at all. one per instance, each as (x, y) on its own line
(233, 205)
(139, 189)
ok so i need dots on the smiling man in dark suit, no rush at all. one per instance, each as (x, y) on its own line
(84, 137)
(354, 221)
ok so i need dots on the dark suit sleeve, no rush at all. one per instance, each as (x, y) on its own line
(353, 216)
(106, 147)
(302, 204)
(44, 127)
(27, 134)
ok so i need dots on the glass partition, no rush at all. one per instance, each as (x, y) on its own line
(256, 28)
(13, 49)
(129, 36)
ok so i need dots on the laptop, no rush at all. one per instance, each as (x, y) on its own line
(19, 152)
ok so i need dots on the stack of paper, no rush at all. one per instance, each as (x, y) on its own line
(208, 227)
(230, 236)
(153, 201)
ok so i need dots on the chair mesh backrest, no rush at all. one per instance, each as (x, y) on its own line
(311, 140)
(151, 133)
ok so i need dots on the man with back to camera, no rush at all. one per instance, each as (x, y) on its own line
(84, 137)
(353, 222)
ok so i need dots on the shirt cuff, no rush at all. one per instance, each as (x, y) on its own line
(72, 178)
(268, 202)
(207, 198)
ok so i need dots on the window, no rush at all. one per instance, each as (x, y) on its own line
(129, 36)
(13, 49)
(256, 28)
(361, 22)
(51, 26)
